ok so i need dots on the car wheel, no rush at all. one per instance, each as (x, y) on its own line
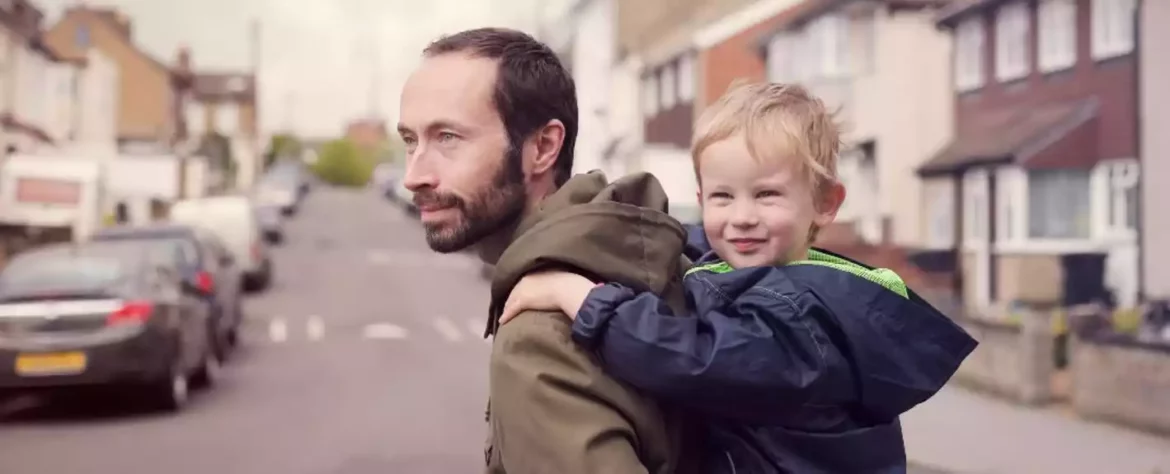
(172, 392)
(208, 372)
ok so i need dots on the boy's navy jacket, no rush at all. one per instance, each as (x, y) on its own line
(803, 368)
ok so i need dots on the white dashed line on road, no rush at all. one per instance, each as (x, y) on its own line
(448, 329)
(315, 328)
(277, 330)
(383, 331)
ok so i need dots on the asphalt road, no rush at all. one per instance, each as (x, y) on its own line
(365, 357)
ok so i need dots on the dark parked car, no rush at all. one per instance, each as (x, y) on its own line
(99, 314)
(201, 258)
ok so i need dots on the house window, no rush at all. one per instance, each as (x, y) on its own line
(1059, 204)
(969, 55)
(81, 36)
(1122, 205)
(686, 79)
(227, 118)
(780, 58)
(940, 214)
(1113, 27)
(1058, 34)
(976, 210)
(1011, 42)
(196, 118)
(667, 87)
(650, 95)
(828, 38)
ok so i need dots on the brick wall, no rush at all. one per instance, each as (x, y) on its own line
(1125, 382)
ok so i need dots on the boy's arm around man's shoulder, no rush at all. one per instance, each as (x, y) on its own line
(553, 410)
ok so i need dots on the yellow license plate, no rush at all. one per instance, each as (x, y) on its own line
(61, 363)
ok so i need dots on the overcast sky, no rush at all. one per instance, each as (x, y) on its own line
(316, 55)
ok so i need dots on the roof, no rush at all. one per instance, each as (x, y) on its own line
(810, 9)
(117, 20)
(1011, 136)
(958, 9)
(232, 86)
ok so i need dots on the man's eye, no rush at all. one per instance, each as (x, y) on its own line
(446, 136)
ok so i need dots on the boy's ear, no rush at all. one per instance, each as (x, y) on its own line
(831, 199)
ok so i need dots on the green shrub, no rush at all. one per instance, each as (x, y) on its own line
(341, 163)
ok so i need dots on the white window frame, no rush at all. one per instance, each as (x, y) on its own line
(1113, 180)
(1012, 24)
(1057, 38)
(1113, 27)
(668, 86)
(779, 61)
(976, 204)
(686, 79)
(940, 213)
(1011, 220)
(650, 95)
(227, 118)
(829, 36)
(969, 58)
(196, 117)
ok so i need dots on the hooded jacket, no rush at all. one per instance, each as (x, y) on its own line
(552, 409)
(798, 369)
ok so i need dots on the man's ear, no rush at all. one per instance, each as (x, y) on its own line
(830, 201)
(547, 143)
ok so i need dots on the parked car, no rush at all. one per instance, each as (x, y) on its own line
(75, 316)
(201, 258)
(283, 185)
(271, 223)
(233, 219)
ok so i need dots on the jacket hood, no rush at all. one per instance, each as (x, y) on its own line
(614, 232)
(904, 348)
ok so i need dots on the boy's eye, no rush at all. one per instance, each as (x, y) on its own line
(767, 194)
(719, 195)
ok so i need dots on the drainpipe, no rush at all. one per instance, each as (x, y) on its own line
(1137, 79)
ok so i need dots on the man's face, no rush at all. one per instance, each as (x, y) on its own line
(467, 180)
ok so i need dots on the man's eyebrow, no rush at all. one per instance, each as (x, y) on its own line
(403, 130)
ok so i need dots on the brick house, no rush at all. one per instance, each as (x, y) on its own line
(28, 74)
(1042, 170)
(150, 95)
(1154, 146)
(221, 103)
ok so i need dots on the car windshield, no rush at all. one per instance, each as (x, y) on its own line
(71, 269)
(173, 250)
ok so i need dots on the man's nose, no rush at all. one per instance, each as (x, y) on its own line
(419, 173)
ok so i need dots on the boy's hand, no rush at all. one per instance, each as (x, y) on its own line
(547, 291)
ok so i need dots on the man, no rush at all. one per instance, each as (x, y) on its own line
(489, 120)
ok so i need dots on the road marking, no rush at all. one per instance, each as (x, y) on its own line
(277, 330)
(315, 328)
(383, 331)
(448, 329)
(475, 327)
(378, 257)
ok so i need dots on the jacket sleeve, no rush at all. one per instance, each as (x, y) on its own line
(752, 360)
(553, 410)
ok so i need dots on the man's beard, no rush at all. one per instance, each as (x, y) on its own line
(489, 209)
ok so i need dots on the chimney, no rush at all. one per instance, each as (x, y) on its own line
(183, 59)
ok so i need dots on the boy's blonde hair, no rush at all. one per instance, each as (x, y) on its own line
(779, 122)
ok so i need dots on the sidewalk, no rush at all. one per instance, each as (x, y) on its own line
(965, 432)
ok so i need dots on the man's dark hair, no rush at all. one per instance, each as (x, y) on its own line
(532, 86)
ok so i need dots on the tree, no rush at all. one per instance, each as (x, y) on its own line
(342, 163)
(282, 145)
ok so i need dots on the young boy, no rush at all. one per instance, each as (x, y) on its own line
(800, 360)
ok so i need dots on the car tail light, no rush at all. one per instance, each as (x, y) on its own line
(204, 282)
(131, 312)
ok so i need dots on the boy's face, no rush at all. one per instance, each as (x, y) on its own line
(759, 212)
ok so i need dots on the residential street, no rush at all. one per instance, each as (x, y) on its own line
(365, 356)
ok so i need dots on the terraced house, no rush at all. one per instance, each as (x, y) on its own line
(1036, 195)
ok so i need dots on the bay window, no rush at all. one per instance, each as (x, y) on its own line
(1059, 204)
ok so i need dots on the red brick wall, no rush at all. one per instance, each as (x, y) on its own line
(738, 57)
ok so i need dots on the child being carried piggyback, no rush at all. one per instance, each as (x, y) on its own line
(799, 360)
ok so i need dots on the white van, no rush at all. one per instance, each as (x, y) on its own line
(234, 221)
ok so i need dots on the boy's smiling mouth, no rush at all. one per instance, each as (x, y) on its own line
(746, 245)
